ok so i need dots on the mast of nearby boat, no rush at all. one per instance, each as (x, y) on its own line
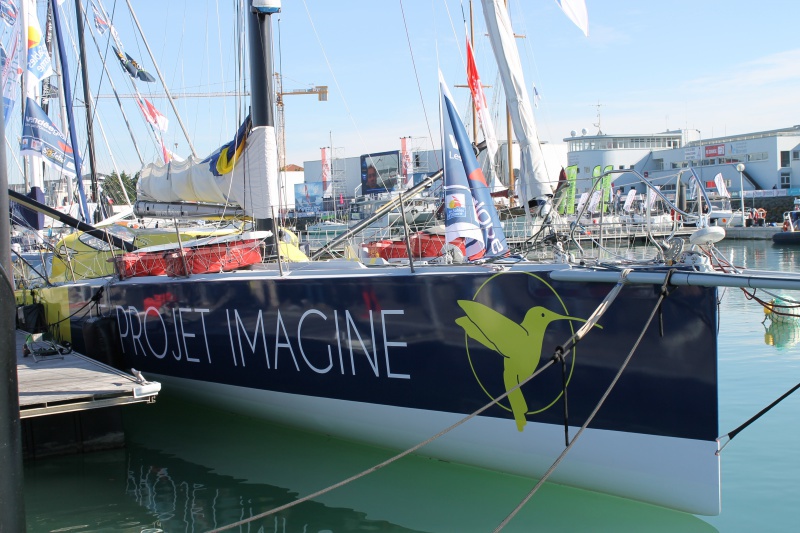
(512, 179)
(161, 77)
(87, 98)
(259, 30)
(67, 95)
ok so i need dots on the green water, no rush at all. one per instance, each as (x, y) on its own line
(190, 468)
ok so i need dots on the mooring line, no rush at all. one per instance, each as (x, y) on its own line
(752, 419)
(388, 461)
(664, 294)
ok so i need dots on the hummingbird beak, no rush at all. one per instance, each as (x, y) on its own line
(576, 319)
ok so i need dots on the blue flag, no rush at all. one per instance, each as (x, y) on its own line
(469, 209)
(40, 137)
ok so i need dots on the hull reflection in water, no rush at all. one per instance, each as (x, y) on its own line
(195, 468)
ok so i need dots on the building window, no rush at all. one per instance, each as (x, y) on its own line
(757, 156)
(622, 167)
(658, 164)
(784, 159)
(795, 155)
(786, 180)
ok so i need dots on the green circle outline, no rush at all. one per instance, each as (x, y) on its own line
(571, 327)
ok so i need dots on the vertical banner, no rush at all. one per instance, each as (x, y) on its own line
(327, 180)
(572, 180)
(605, 188)
(629, 199)
(405, 162)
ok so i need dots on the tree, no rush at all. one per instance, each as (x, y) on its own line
(111, 186)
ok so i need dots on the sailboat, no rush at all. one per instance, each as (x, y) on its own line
(616, 363)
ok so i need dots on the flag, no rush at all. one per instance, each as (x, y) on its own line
(132, 67)
(651, 196)
(99, 21)
(536, 97)
(575, 10)
(10, 74)
(482, 110)
(722, 190)
(152, 115)
(8, 11)
(40, 137)
(225, 157)
(629, 200)
(469, 211)
(39, 65)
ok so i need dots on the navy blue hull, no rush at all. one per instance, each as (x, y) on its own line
(393, 340)
(786, 237)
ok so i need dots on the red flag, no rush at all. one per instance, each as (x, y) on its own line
(152, 115)
(479, 100)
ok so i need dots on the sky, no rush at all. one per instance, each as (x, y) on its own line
(721, 67)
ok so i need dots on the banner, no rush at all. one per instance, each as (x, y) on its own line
(40, 137)
(722, 190)
(629, 199)
(327, 182)
(605, 188)
(405, 162)
(572, 179)
(469, 210)
(39, 65)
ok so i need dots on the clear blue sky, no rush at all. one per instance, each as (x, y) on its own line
(722, 67)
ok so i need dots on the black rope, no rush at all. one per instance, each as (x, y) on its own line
(94, 299)
(564, 392)
(755, 417)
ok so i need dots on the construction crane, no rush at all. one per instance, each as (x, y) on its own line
(320, 90)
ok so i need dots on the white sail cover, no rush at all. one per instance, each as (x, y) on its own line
(533, 181)
(251, 183)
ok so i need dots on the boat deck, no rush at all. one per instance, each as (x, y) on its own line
(73, 382)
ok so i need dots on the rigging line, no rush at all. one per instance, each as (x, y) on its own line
(594, 412)
(416, 75)
(330, 69)
(161, 77)
(391, 460)
(755, 417)
(114, 88)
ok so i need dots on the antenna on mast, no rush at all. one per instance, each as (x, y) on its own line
(598, 105)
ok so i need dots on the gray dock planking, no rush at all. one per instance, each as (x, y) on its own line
(73, 382)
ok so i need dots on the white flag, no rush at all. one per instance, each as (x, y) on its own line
(722, 190)
(576, 11)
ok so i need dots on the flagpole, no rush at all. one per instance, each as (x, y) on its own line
(161, 77)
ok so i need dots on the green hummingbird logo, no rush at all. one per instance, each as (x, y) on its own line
(519, 344)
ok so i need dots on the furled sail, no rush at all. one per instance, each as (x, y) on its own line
(243, 172)
(533, 182)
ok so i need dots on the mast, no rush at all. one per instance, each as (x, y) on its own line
(259, 31)
(512, 185)
(87, 98)
(70, 115)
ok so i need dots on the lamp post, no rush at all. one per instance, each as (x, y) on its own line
(740, 169)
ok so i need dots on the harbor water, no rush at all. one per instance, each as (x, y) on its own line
(190, 468)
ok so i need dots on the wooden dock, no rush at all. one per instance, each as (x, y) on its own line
(73, 382)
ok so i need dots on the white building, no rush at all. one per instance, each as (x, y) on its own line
(771, 158)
